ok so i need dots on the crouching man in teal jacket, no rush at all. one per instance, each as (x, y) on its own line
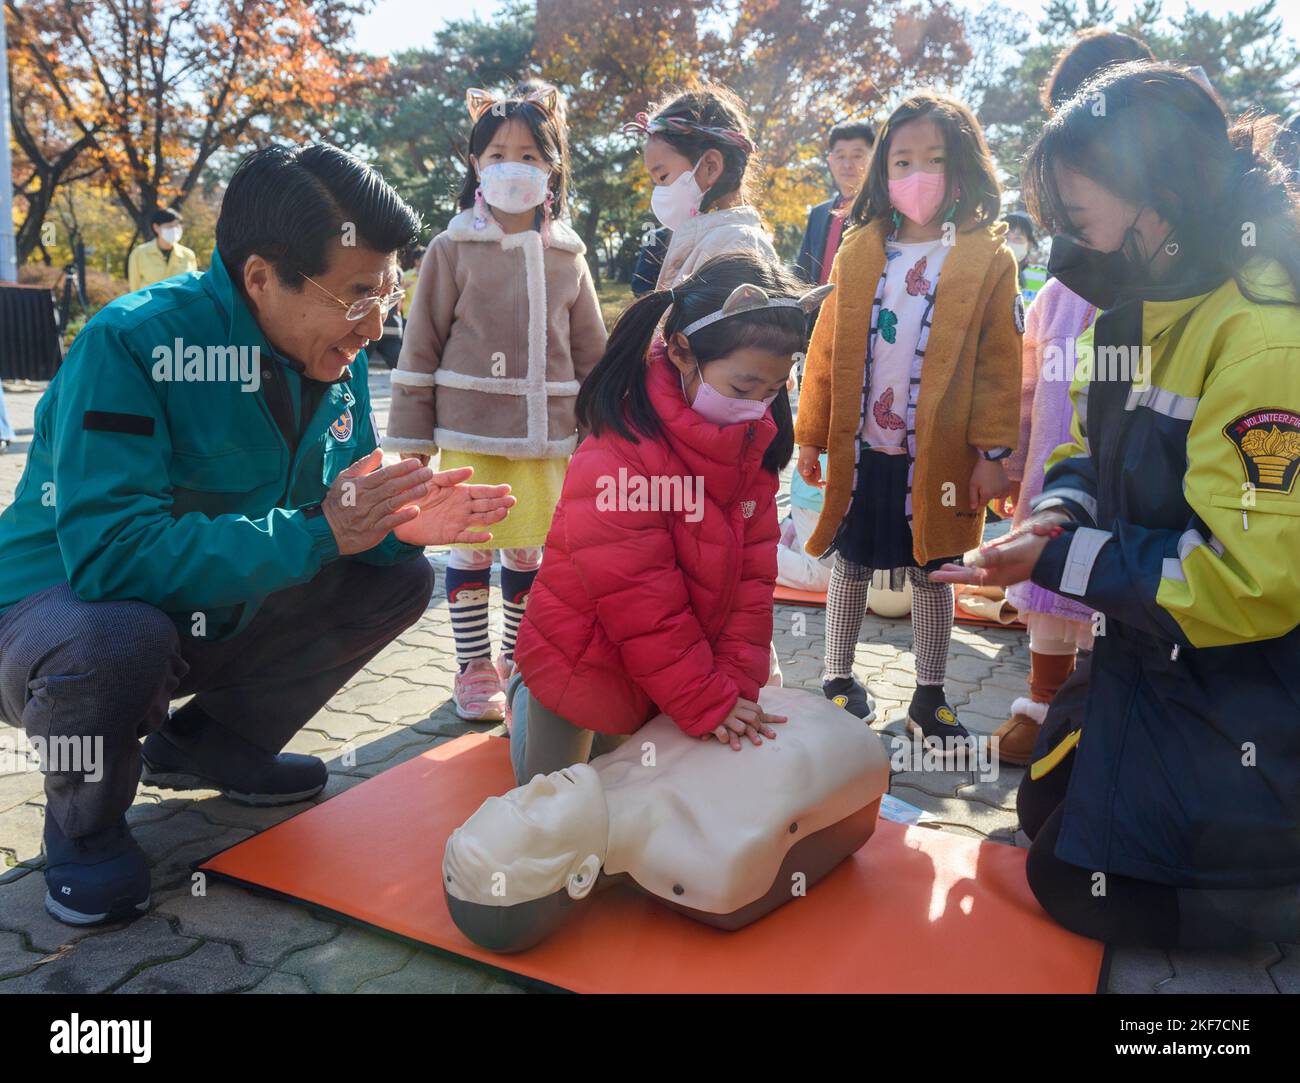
(204, 512)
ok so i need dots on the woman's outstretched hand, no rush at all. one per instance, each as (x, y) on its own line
(1009, 559)
(747, 719)
(456, 512)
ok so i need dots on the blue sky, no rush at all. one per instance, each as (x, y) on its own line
(401, 24)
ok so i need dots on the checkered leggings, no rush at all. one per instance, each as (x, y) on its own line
(846, 602)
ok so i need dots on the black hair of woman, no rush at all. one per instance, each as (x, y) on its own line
(1090, 52)
(1164, 142)
(972, 188)
(615, 397)
(549, 131)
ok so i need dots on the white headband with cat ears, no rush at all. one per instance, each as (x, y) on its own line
(751, 298)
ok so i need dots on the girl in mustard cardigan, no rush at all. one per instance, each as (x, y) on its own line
(911, 388)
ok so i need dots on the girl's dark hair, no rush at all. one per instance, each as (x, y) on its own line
(968, 165)
(549, 130)
(1161, 141)
(714, 106)
(1091, 51)
(614, 396)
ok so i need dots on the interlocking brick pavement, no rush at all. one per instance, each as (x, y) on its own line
(215, 937)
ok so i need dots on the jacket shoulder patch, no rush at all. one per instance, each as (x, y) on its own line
(1268, 443)
(111, 421)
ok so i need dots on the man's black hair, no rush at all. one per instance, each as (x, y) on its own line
(294, 206)
(852, 129)
(164, 215)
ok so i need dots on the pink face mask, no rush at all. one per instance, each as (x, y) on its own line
(712, 405)
(919, 195)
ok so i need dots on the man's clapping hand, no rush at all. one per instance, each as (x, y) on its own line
(368, 500)
(452, 511)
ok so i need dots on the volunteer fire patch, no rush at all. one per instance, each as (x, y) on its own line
(1268, 442)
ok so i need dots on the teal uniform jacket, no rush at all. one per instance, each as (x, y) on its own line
(161, 472)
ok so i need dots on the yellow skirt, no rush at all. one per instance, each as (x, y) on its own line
(535, 483)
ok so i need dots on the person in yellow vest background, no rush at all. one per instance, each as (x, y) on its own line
(163, 257)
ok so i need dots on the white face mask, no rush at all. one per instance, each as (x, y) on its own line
(170, 234)
(1020, 248)
(675, 204)
(514, 187)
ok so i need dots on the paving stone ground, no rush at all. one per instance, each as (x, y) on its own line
(231, 940)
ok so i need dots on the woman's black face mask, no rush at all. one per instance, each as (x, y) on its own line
(1101, 278)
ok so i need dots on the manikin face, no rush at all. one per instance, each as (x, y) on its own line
(546, 836)
(742, 374)
(311, 326)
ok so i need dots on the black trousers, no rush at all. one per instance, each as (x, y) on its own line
(99, 676)
(1121, 910)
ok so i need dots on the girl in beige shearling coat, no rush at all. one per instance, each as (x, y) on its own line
(504, 327)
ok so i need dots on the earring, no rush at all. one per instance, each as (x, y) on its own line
(952, 212)
(546, 219)
(1171, 249)
(898, 220)
(480, 209)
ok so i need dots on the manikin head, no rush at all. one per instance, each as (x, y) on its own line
(513, 869)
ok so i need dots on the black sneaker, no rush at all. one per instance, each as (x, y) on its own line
(848, 692)
(932, 716)
(94, 879)
(210, 757)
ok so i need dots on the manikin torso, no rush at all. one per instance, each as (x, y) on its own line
(708, 827)
(691, 822)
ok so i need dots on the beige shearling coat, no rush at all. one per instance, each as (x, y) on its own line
(501, 334)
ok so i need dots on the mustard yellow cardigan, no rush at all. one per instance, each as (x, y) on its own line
(970, 382)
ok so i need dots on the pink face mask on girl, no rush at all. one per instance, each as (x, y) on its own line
(919, 195)
(712, 405)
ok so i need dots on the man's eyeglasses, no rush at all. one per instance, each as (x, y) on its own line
(361, 308)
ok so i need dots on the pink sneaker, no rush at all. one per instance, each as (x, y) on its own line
(478, 694)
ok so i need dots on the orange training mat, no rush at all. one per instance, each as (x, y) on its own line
(915, 910)
(793, 596)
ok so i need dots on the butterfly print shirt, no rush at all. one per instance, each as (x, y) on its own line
(910, 271)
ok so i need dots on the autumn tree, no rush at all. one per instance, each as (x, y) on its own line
(153, 89)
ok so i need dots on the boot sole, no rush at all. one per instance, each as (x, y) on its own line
(182, 780)
(62, 913)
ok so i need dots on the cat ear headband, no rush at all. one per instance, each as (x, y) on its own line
(751, 298)
(479, 101)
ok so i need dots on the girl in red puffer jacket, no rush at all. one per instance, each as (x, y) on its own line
(655, 592)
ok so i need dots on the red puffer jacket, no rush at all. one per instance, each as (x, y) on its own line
(636, 611)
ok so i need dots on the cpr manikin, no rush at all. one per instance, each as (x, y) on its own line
(725, 837)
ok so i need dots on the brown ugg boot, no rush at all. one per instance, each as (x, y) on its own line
(1016, 737)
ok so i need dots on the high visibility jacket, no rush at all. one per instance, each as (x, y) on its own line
(154, 475)
(1182, 476)
(148, 264)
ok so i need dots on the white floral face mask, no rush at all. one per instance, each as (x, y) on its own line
(514, 187)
